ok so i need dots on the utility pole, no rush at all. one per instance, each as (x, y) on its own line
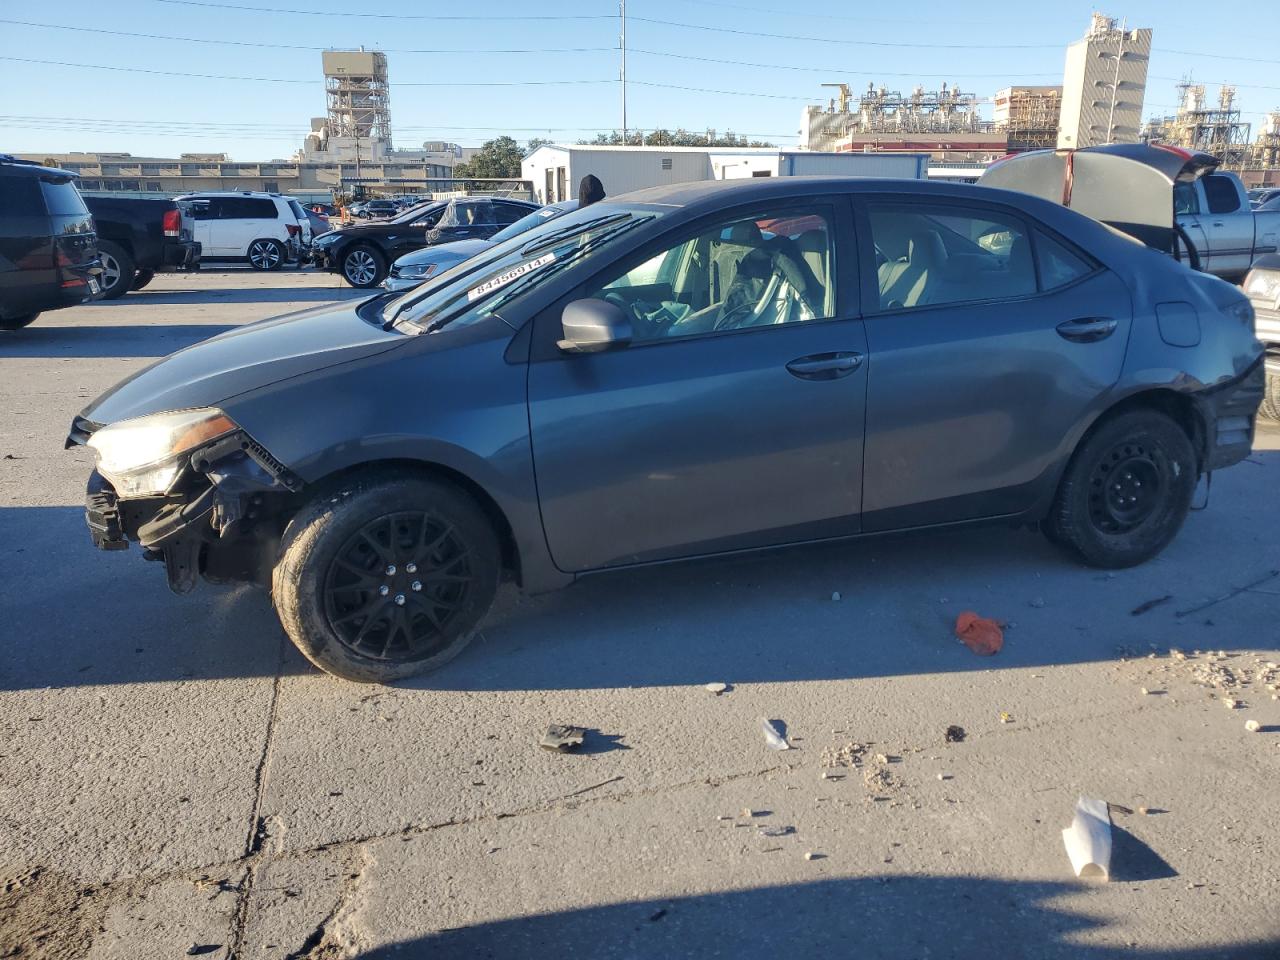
(1115, 86)
(622, 44)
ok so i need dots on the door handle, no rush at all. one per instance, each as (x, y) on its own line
(1217, 223)
(825, 366)
(1087, 329)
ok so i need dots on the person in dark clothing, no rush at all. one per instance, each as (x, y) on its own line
(590, 191)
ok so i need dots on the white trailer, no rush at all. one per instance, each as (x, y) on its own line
(556, 169)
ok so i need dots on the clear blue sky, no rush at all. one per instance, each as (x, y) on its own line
(57, 108)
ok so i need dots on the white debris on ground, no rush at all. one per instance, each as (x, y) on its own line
(848, 754)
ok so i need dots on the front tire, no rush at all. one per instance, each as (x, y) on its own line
(1126, 492)
(363, 267)
(387, 577)
(142, 278)
(17, 323)
(266, 254)
(117, 270)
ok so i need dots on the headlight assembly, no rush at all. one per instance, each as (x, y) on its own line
(142, 457)
(416, 270)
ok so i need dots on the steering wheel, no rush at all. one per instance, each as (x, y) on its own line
(735, 317)
(644, 323)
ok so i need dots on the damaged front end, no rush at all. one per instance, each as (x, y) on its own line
(202, 495)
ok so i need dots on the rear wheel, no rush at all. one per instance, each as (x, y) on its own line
(387, 578)
(142, 278)
(266, 254)
(363, 266)
(1126, 491)
(117, 270)
(17, 323)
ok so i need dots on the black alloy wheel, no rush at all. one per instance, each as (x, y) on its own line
(396, 584)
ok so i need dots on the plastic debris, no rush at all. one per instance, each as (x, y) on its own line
(776, 831)
(1088, 839)
(773, 736)
(562, 738)
(1006, 717)
(1253, 726)
(716, 688)
(984, 637)
(954, 734)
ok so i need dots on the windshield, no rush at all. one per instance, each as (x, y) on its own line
(539, 216)
(479, 287)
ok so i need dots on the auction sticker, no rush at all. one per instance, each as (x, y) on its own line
(502, 279)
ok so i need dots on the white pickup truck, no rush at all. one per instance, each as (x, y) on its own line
(1216, 219)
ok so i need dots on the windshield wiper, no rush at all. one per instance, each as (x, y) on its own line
(580, 227)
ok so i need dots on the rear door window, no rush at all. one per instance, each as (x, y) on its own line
(1221, 194)
(246, 208)
(63, 199)
(1058, 264)
(20, 197)
(933, 254)
(1185, 201)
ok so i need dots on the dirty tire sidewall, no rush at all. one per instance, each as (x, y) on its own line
(1270, 407)
(1070, 524)
(118, 265)
(318, 533)
(142, 278)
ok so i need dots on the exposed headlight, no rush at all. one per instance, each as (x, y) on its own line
(412, 270)
(142, 457)
(1263, 285)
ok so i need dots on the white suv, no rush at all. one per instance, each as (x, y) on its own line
(258, 228)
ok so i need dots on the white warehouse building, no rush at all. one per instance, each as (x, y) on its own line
(555, 170)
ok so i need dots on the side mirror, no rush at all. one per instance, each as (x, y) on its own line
(593, 326)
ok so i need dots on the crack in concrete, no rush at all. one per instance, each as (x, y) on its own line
(256, 833)
(327, 940)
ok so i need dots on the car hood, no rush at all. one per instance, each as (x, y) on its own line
(456, 251)
(247, 358)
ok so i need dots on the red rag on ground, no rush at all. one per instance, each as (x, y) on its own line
(984, 637)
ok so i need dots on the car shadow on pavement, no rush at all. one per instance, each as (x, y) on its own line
(107, 341)
(891, 917)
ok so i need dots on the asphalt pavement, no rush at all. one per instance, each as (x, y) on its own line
(176, 780)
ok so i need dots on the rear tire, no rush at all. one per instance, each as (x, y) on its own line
(1126, 492)
(386, 577)
(142, 278)
(17, 323)
(117, 270)
(363, 266)
(266, 254)
(1270, 407)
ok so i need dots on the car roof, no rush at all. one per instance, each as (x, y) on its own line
(230, 193)
(12, 166)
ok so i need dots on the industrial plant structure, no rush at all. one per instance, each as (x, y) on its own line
(1200, 125)
(1028, 117)
(1103, 85)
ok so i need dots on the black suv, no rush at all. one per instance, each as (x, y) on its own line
(363, 252)
(48, 250)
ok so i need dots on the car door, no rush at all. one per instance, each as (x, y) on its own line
(734, 417)
(204, 214)
(1228, 224)
(979, 370)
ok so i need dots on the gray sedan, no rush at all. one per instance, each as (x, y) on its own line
(688, 371)
(413, 268)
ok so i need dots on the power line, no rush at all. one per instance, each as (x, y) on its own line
(389, 16)
(855, 43)
(837, 70)
(219, 76)
(291, 46)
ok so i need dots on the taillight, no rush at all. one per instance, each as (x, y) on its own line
(172, 223)
(293, 229)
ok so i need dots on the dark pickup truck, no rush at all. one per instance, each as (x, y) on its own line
(139, 237)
